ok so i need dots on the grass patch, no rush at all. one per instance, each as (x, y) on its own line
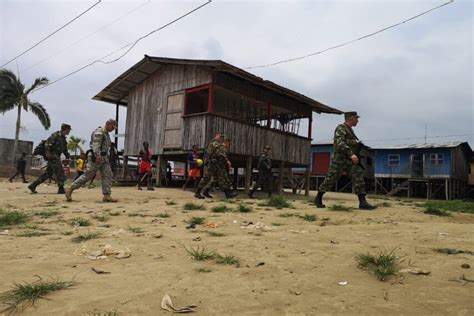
(383, 265)
(243, 208)
(162, 215)
(26, 294)
(436, 211)
(450, 206)
(194, 207)
(137, 215)
(136, 230)
(201, 253)
(46, 214)
(86, 236)
(31, 233)
(204, 270)
(196, 220)
(172, 202)
(100, 217)
(340, 208)
(215, 234)
(80, 222)
(287, 214)
(228, 201)
(221, 209)
(279, 202)
(12, 218)
(308, 217)
(226, 259)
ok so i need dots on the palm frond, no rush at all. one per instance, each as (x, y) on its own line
(42, 81)
(38, 110)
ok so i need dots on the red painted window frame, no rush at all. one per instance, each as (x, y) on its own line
(210, 100)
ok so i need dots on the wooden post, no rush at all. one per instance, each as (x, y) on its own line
(125, 167)
(235, 183)
(280, 178)
(117, 120)
(427, 189)
(306, 185)
(375, 182)
(409, 189)
(159, 170)
(248, 174)
(446, 189)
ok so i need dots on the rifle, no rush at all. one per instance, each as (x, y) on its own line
(358, 149)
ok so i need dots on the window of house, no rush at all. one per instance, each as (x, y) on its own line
(436, 159)
(197, 100)
(393, 160)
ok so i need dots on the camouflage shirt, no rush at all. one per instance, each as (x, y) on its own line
(56, 145)
(345, 142)
(100, 142)
(264, 164)
(216, 151)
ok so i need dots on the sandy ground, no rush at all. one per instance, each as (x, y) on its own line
(303, 261)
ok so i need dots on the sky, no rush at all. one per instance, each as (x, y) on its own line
(405, 83)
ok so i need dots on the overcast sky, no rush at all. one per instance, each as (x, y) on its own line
(418, 74)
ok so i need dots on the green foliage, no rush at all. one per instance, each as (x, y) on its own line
(287, 214)
(136, 230)
(215, 234)
(26, 294)
(162, 215)
(435, 211)
(450, 206)
(340, 208)
(194, 207)
(225, 259)
(47, 214)
(382, 265)
(196, 220)
(279, 202)
(79, 222)
(308, 217)
(31, 233)
(12, 218)
(221, 209)
(172, 202)
(201, 253)
(86, 236)
(100, 217)
(244, 208)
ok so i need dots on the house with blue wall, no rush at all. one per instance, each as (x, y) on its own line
(423, 170)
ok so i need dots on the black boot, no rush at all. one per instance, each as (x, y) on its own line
(32, 188)
(206, 193)
(229, 194)
(61, 190)
(318, 200)
(198, 194)
(363, 204)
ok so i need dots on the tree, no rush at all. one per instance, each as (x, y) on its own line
(74, 143)
(14, 95)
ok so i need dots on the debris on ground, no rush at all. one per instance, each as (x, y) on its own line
(167, 304)
(416, 271)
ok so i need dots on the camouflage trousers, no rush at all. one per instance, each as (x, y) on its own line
(215, 174)
(264, 181)
(337, 169)
(91, 169)
(54, 170)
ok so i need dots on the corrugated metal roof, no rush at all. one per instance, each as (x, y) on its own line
(422, 146)
(117, 91)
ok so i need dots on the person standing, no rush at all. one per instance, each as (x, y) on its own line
(55, 145)
(80, 165)
(145, 166)
(97, 160)
(345, 161)
(194, 169)
(20, 168)
(264, 180)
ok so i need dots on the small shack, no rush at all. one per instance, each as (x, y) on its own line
(177, 103)
(432, 171)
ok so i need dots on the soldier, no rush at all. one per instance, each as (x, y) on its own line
(20, 168)
(264, 173)
(97, 159)
(345, 161)
(215, 168)
(55, 145)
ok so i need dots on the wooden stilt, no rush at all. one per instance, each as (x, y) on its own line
(280, 178)
(236, 178)
(306, 185)
(446, 184)
(125, 167)
(248, 174)
(159, 170)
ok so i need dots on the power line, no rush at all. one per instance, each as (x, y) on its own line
(351, 41)
(130, 45)
(44, 39)
(87, 36)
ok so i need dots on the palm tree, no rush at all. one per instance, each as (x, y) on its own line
(74, 143)
(14, 95)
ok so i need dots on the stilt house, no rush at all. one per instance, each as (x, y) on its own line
(177, 103)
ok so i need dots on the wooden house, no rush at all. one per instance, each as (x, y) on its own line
(423, 170)
(177, 103)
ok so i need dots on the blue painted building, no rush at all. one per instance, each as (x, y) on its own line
(431, 170)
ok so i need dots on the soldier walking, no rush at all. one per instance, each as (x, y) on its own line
(20, 168)
(264, 173)
(215, 169)
(97, 160)
(55, 145)
(345, 162)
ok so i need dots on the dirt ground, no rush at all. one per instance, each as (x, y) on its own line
(288, 266)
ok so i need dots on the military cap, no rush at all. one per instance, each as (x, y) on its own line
(112, 121)
(65, 126)
(267, 147)
(349, 114)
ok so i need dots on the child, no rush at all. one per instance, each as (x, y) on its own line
(194, 169)
(80, 164)
(144, 166)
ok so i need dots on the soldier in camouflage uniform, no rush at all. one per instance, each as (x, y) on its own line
(345, 162)
(264, 173)
(215, 169)
(97, 160)
(55, 145)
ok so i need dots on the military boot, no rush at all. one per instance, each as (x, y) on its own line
(318, 200)
(363, 204)
(198, 194)
(108, 198)
(206, 193)
(61, 190)
(32, 188)
(229, 194)
(68, 194)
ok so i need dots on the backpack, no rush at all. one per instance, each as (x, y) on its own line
(40, 150)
